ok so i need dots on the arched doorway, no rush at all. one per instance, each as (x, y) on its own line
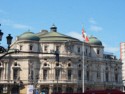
(45, 90)
(15, 90)
(69, 90)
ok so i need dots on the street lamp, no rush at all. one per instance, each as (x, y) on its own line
(9, 40)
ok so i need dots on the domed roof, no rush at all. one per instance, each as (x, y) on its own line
(94, 41)
(54, 36)
(29, 36)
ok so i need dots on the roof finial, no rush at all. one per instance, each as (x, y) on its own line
(53, 28)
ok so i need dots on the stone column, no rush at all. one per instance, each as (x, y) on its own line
(50, 89)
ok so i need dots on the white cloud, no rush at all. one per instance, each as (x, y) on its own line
(21, 26)
(13, 24)
(92, 21)
(110, 49)
(96, 28)
(76, 35)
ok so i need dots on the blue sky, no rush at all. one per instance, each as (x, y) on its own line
(104, 19)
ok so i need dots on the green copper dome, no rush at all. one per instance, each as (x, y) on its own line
(94, 41)
(28, 36)
(54, 36)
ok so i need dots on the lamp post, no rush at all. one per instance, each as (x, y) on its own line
(5, 52)
(9, 40)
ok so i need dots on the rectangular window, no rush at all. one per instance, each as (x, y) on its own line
(15, 74)
(79, 75)
(30, 71)
(86, 51)
(57, 73)
(107, 76)
(69, 74)
(1, 74)
(87, 74)
(78, 49)
(30, 47)
(21, 47)
(98, 74)
(57, 48)
(45, 48)
(116, 77)
(44, 74)
(97, 51)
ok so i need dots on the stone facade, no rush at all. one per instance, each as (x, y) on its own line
(82, 66)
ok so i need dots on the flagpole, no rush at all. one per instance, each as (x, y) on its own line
(83, 69)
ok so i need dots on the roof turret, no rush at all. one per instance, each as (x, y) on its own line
(94, 41)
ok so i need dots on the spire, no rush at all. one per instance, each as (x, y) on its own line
(53, 28)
